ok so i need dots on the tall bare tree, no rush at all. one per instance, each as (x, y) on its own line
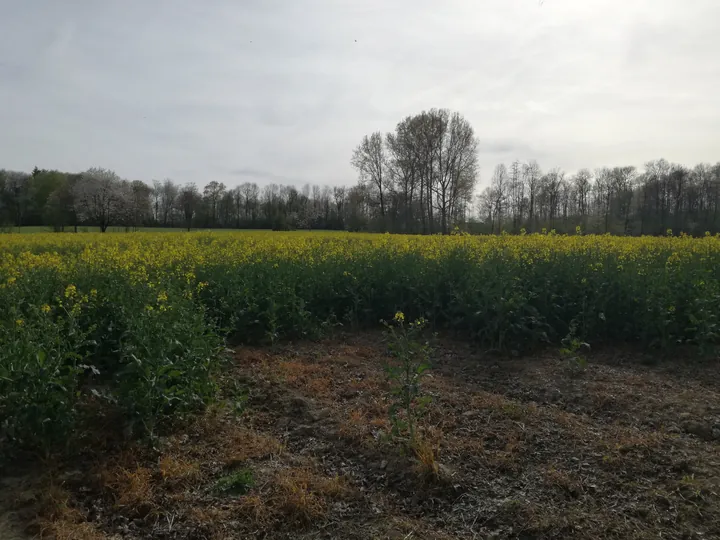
(369, 158)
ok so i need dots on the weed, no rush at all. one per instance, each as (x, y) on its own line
(573, 348)
(410, 362)
(236, 483)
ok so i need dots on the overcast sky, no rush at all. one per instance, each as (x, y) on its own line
(281, 91)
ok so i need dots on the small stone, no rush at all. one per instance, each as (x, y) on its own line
(383, 464)
(446, 471)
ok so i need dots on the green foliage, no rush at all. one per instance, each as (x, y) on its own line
(148, 311)
(151, 353)
(573, 350)
(168, 359)
(41, 363)
(236, 483)
(410, 360)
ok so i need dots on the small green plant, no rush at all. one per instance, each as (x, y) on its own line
(573, 348)
(410, 360)
(236, 483)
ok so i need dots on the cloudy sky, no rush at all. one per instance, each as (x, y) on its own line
(282, 90)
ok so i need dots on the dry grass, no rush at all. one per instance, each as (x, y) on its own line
(295, 497)
(66, 530)
(487, 400)
(355, 425)
(132, 488)
(60, 521)
(510, 457)
(209, 515)
(503, 451)
(561, 479)
(176, 470)
(241, 445)
(623, 440)
(255, 509)
(427, 453)
(297, 502)
(312, 378)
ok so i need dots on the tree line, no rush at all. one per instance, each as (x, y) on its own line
(420, 178)
(99, 197)
(617, 200)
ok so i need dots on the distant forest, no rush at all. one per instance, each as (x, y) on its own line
(421, 178)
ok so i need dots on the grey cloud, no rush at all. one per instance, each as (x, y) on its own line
(248, 172)
(161, 88)
(507, 148)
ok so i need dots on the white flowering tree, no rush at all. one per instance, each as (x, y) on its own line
(101, 197)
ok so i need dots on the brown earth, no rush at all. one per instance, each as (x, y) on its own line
(525, 448)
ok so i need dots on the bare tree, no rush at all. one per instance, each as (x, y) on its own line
(532, 175)
(169, 193)
(188, 201)
(582, 183)
(139, 202)
(156, 198)
(499, 190)
(457, 167)
(517, 194)
(213, 193)
(369, 159)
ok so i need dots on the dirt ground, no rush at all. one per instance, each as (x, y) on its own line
(525, 448)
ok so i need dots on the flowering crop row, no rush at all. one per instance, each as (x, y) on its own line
(136, 321)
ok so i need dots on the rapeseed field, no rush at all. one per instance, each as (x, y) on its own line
(138, 322)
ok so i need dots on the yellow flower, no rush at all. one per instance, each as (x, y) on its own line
(93, 292)
(19, 322)
(162, 297)
(45, 309)
(149, 308)
(70, 291)
(399, 317)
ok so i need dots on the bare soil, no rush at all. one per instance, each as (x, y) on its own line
(527, 448)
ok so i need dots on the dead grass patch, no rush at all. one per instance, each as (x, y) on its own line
(59, 520)
(356, 424)
(427, 453)
(67, 530)
(315, 379)
(623, 440)
(132, 488)
(510, 457)
(177, 470)
(294, 497)
(561, 479)
(246, 444)
(487, 400)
